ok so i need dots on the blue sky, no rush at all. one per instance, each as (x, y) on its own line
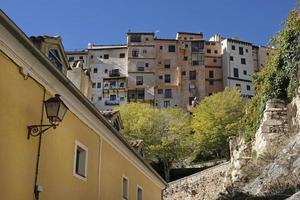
(106, 22)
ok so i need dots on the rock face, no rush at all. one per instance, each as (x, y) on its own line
(205, 185)
(271, 165)
(274, 127)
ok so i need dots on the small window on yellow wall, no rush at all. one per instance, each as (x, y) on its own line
(139, 194)
(80, 161)
(125, 188)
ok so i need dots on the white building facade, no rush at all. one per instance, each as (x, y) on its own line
(108, 68)
(238, 66)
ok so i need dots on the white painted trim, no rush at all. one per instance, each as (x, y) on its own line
(137, 189)
(78, 144)
(125, 177)
(34, 68)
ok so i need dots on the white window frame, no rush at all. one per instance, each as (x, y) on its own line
(125, 177)
(137, 190)
(79, 144)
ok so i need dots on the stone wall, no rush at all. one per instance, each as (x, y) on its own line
(274, 127)
(204, 185)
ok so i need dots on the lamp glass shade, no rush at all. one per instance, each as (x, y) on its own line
(55, 109)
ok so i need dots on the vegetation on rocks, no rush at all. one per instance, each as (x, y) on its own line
(278, 79)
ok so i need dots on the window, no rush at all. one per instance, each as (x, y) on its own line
(267, 53)
(161, 47)
(93, 85)
(248, 87)
(241, 51)
(80, 57)
(186, 45)
(139, 195)
(122, 98)
(211, 82)
(167, 78)
(233, 47)
(171, 48)
(185, 58)
(125, 188)
(216, 51)
(235, 72)
(105, 71)
(211, 74)
(139, 80)
(168, 93)
(71, 59)
(55, 59)
(144, 51)
(192, 75)
(80, 160)
(208, 51)
(95, 70)
(238, 85)
(135, 53)
(243, 61)
(99, 98)
(166, 104)
(215, 60)
(167, 63)
(246, 50)
(183, 73)
(245, 72)
(106, 56)
(147, 39)
(99, 85)
(197, 46)
(160, 91)
(140, 69)
(141, 94)
(146, 64)
(197, 59)
(122, 55)
(160, 77)
(121, 85)
(135, 38)
(231, 58)
(113, 97)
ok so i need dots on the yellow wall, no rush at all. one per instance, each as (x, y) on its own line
(114, 166)
(21, 104)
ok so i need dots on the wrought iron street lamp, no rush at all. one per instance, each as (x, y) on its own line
(55, 111)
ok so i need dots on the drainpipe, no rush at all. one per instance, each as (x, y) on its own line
(37, 187)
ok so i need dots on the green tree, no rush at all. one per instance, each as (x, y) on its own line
(216, 118)
(165, 132)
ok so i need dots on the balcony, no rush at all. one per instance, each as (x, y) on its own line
(112, 102)
(114, 73)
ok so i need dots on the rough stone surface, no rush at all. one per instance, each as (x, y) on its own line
(204, 185)
(294, 197)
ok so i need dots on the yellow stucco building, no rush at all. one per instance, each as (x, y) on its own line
(84, 158)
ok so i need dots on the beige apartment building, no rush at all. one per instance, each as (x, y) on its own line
(159, 71)
(170, 72)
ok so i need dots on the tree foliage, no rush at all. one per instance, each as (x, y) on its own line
(216, 118)
(279, 77)
(165, 132)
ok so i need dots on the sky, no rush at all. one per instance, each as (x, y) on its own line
(80, 22)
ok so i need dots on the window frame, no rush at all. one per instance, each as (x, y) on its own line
(82, 146)
(137, 192)
(127, 192)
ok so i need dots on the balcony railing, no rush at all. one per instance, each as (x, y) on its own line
(112, 102)
(115, 87)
